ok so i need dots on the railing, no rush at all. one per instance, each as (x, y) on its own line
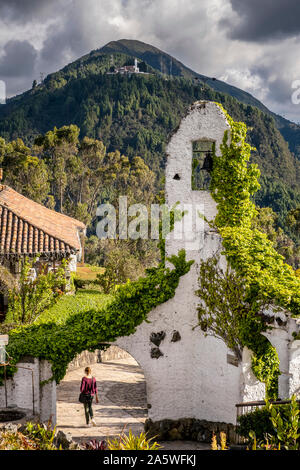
(250, 406)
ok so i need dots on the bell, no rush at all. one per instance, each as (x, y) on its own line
(208, 162)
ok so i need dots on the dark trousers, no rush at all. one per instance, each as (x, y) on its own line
(88, 409)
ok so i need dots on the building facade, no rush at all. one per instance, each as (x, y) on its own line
(30, 230)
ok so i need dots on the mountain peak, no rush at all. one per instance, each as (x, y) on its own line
(128, 45)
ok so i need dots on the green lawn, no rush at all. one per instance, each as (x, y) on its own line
(68, 305)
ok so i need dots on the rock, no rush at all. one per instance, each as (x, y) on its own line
(174, 435)
(157, 338)
(64, 440)
(10, 427)
(175, 337)
(156, 353)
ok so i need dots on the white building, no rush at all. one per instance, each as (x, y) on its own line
(127, 69)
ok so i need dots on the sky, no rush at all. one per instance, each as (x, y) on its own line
(252, 44)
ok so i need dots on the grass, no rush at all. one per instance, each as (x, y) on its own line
(68, 305)
(89, 273)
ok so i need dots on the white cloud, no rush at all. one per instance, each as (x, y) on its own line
(243, 78)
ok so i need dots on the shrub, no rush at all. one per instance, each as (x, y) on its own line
(33, 437)
(287, 427)
(257, 421)
(272, 425)
(31, 297)
(41, 434)
(79, 283)
(15, 441)
(93, 444)
(132, 442)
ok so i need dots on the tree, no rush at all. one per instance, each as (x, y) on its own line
(32, 296)
(25, 172)
(120, 267)
(58, 148)
(293, 220)
(226, 310)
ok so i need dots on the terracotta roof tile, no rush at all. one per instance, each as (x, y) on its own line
(29, 227)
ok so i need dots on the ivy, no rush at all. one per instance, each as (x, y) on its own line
(248, 251)
(59, 344)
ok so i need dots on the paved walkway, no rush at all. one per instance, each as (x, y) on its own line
(122, 403)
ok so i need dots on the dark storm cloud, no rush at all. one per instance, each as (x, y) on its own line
(69, 37)
(21, 11)
(18, 59)
(260, 20)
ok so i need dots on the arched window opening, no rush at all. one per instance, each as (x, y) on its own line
(203, 152)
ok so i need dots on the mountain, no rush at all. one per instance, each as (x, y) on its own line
(136, 113)
(168, 65)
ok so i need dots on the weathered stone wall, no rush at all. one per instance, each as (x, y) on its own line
(197, 377)
(281, 337)
(251, 388)
(189, 429)
(112, 353)
(84, 359)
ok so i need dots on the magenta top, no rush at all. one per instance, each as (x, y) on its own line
(88, 386)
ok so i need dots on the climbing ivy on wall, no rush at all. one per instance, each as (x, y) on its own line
(248, 251)
(59, 344)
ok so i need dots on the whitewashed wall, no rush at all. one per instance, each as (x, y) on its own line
(294, 369)
(193, 378)
(28, 392)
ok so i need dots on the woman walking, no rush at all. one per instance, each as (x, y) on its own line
(88, 389)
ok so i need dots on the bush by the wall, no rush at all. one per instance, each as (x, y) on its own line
(259, 422)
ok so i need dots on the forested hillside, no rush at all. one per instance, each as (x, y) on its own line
(135, 115)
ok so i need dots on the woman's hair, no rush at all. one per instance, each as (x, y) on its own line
(87, 370)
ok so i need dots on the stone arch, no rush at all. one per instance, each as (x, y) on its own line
(122, 396)
(134, 352)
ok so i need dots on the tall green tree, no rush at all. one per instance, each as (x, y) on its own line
(25, 172)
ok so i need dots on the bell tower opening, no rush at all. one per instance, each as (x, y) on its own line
(202, 163)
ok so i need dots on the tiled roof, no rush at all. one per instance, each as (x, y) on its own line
(27, 227)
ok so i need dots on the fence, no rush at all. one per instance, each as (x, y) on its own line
(250, 406)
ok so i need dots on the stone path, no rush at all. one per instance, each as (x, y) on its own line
(122, 403)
